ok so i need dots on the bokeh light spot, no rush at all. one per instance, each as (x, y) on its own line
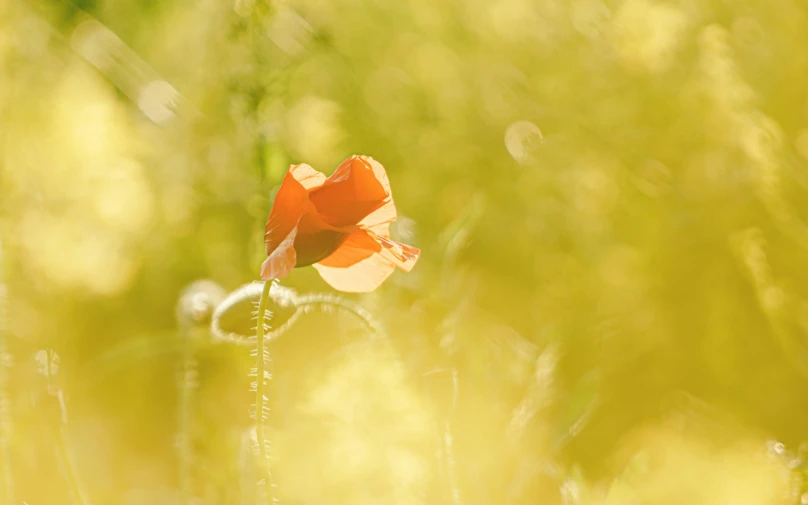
(522, 139)
(158, 101)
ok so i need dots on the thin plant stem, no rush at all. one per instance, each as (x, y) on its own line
(451, 464)
(62, 451)
(260, 395)
(329, 300)
(70, 469)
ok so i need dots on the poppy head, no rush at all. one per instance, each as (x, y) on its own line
(339, 224)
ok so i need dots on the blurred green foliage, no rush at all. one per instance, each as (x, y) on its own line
(612, 302)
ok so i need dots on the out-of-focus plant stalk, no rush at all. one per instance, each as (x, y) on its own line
(187, 386)
(194, 310)
(446, 409)
(451, 464)
(69, 467)
(49, 367)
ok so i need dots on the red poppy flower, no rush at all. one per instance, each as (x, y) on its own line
(339, 224)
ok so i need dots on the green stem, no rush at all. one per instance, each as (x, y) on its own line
(260, 384)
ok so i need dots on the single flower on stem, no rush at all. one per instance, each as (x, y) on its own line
(339, 224)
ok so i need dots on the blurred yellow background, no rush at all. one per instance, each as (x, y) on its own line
(612, 302)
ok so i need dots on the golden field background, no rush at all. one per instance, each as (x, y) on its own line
(612, 302)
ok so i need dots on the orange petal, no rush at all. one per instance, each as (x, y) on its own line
(401, 255)
(356, 247)
(282, 259)
(356, 267)
(387, 212)
(362, 277)
(365, 259)
(352, 193)
(289, 206)
(315, 240)
(308, 177)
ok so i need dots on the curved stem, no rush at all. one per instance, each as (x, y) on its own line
(260, 385)
(326, 300)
